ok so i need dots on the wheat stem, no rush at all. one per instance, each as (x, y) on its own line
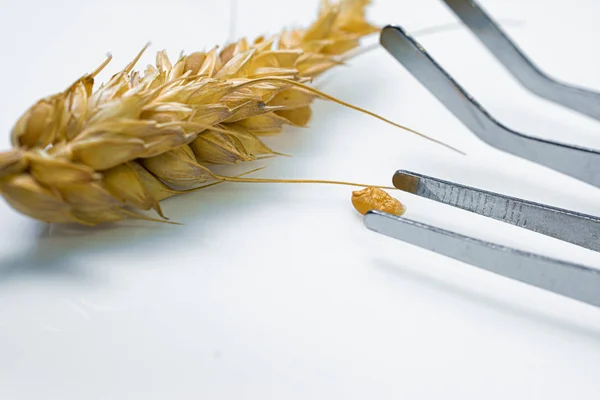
(296, 181)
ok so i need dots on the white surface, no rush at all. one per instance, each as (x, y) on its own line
(279, 292)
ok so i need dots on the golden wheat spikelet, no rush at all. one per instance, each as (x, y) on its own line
(91, 156)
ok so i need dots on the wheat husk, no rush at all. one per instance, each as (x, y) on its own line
(91, 156)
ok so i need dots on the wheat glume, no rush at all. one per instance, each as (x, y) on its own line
(89, 156)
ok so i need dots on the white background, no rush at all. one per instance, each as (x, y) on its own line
(278, 291)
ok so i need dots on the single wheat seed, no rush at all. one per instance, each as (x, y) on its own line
(376, 199)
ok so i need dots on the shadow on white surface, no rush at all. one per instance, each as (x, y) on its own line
(493, 302)
(57, 251)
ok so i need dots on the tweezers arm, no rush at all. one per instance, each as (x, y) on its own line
(572, 280)
(519, 65)
(577, 162)
(566, 225)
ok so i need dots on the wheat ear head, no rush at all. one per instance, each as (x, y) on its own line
(92, 156)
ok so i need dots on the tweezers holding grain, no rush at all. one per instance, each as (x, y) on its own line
(579, 282)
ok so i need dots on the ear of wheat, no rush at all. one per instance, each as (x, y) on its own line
(91, 156)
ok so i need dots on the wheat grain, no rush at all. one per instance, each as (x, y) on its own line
(91, 156)
(373, 198)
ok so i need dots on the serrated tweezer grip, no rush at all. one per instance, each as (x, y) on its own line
(566, 225)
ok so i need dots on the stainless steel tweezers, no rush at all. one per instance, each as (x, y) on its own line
(576, 281)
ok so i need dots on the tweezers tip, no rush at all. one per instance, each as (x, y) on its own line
(370, 218)
(406, 181)
(367, 217)
(391, 30)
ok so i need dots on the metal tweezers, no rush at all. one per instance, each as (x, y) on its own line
(575, 281)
